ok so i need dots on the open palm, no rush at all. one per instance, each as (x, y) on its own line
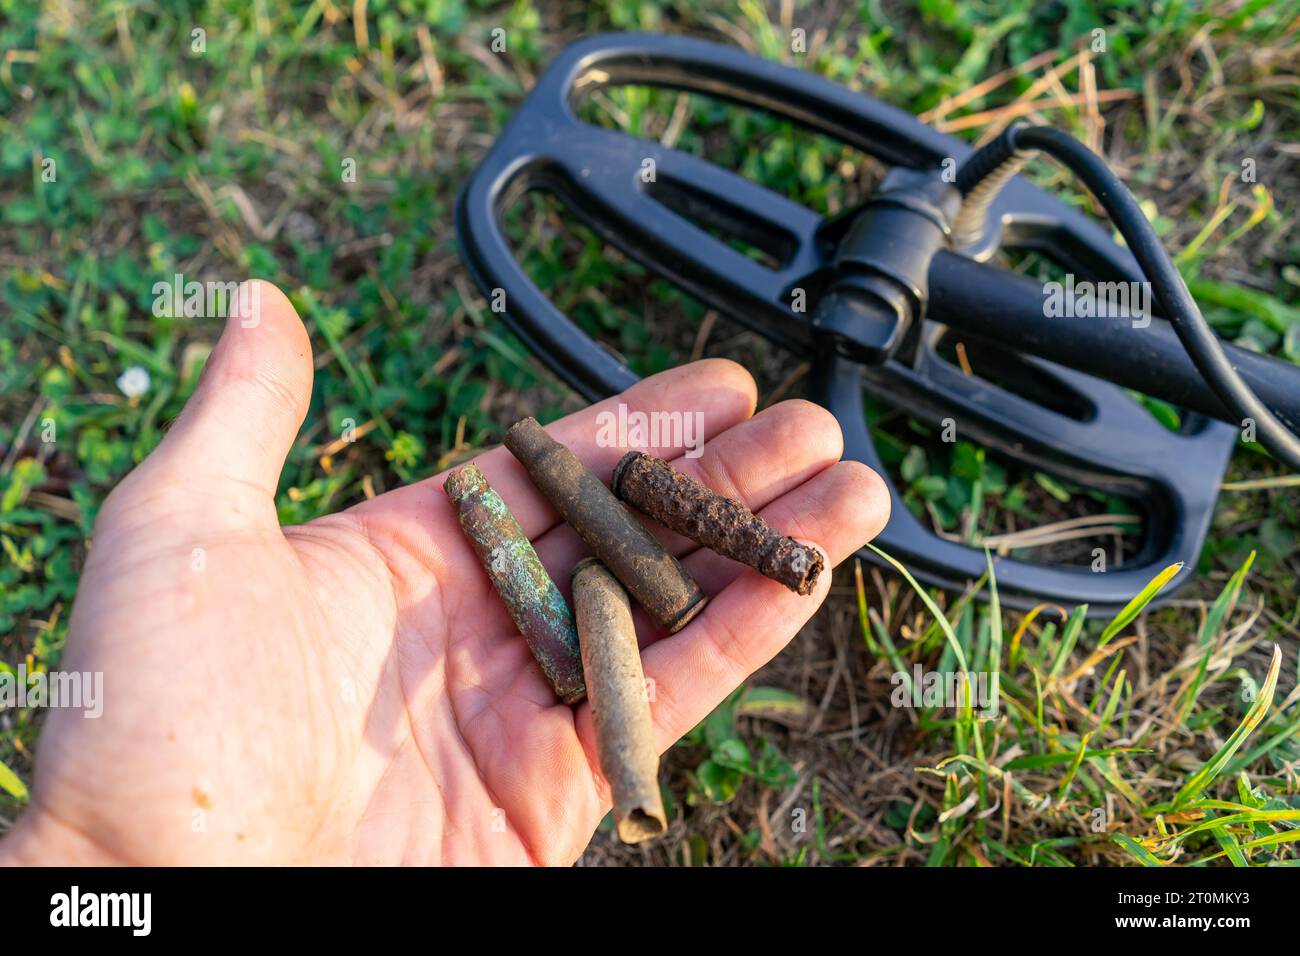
(352, 690)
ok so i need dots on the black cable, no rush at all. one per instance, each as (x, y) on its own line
(1200, 341)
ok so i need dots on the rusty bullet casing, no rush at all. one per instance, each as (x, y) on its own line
(684, 505)
(620, 707)
(610, 530)
(516, 572)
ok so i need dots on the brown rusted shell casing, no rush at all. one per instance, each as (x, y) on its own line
(516, 572)
(610, 530)
(684, 505)
(620, 707)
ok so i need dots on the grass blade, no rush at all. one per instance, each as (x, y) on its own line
(995, 635)
(1064, 788)
(1205, 776)
(1135, 606)
(1230, 846)
(10, 783)
(930, 606)
(1136, 850)
(1222, 608)
(1069, 637)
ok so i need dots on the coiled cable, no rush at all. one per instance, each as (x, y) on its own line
(989, 168)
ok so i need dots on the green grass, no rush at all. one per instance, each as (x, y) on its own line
(227, 163)
(1096, 765)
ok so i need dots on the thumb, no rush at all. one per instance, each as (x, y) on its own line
(231, 439)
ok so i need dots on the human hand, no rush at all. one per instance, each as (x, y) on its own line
(352, 690)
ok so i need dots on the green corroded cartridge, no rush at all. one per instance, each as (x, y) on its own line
(517, 573)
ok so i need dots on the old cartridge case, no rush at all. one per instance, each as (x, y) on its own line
(622, 543)
(684, 505)
(620, 707)
(516, 572)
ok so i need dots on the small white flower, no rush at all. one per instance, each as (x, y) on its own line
(134, 382)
